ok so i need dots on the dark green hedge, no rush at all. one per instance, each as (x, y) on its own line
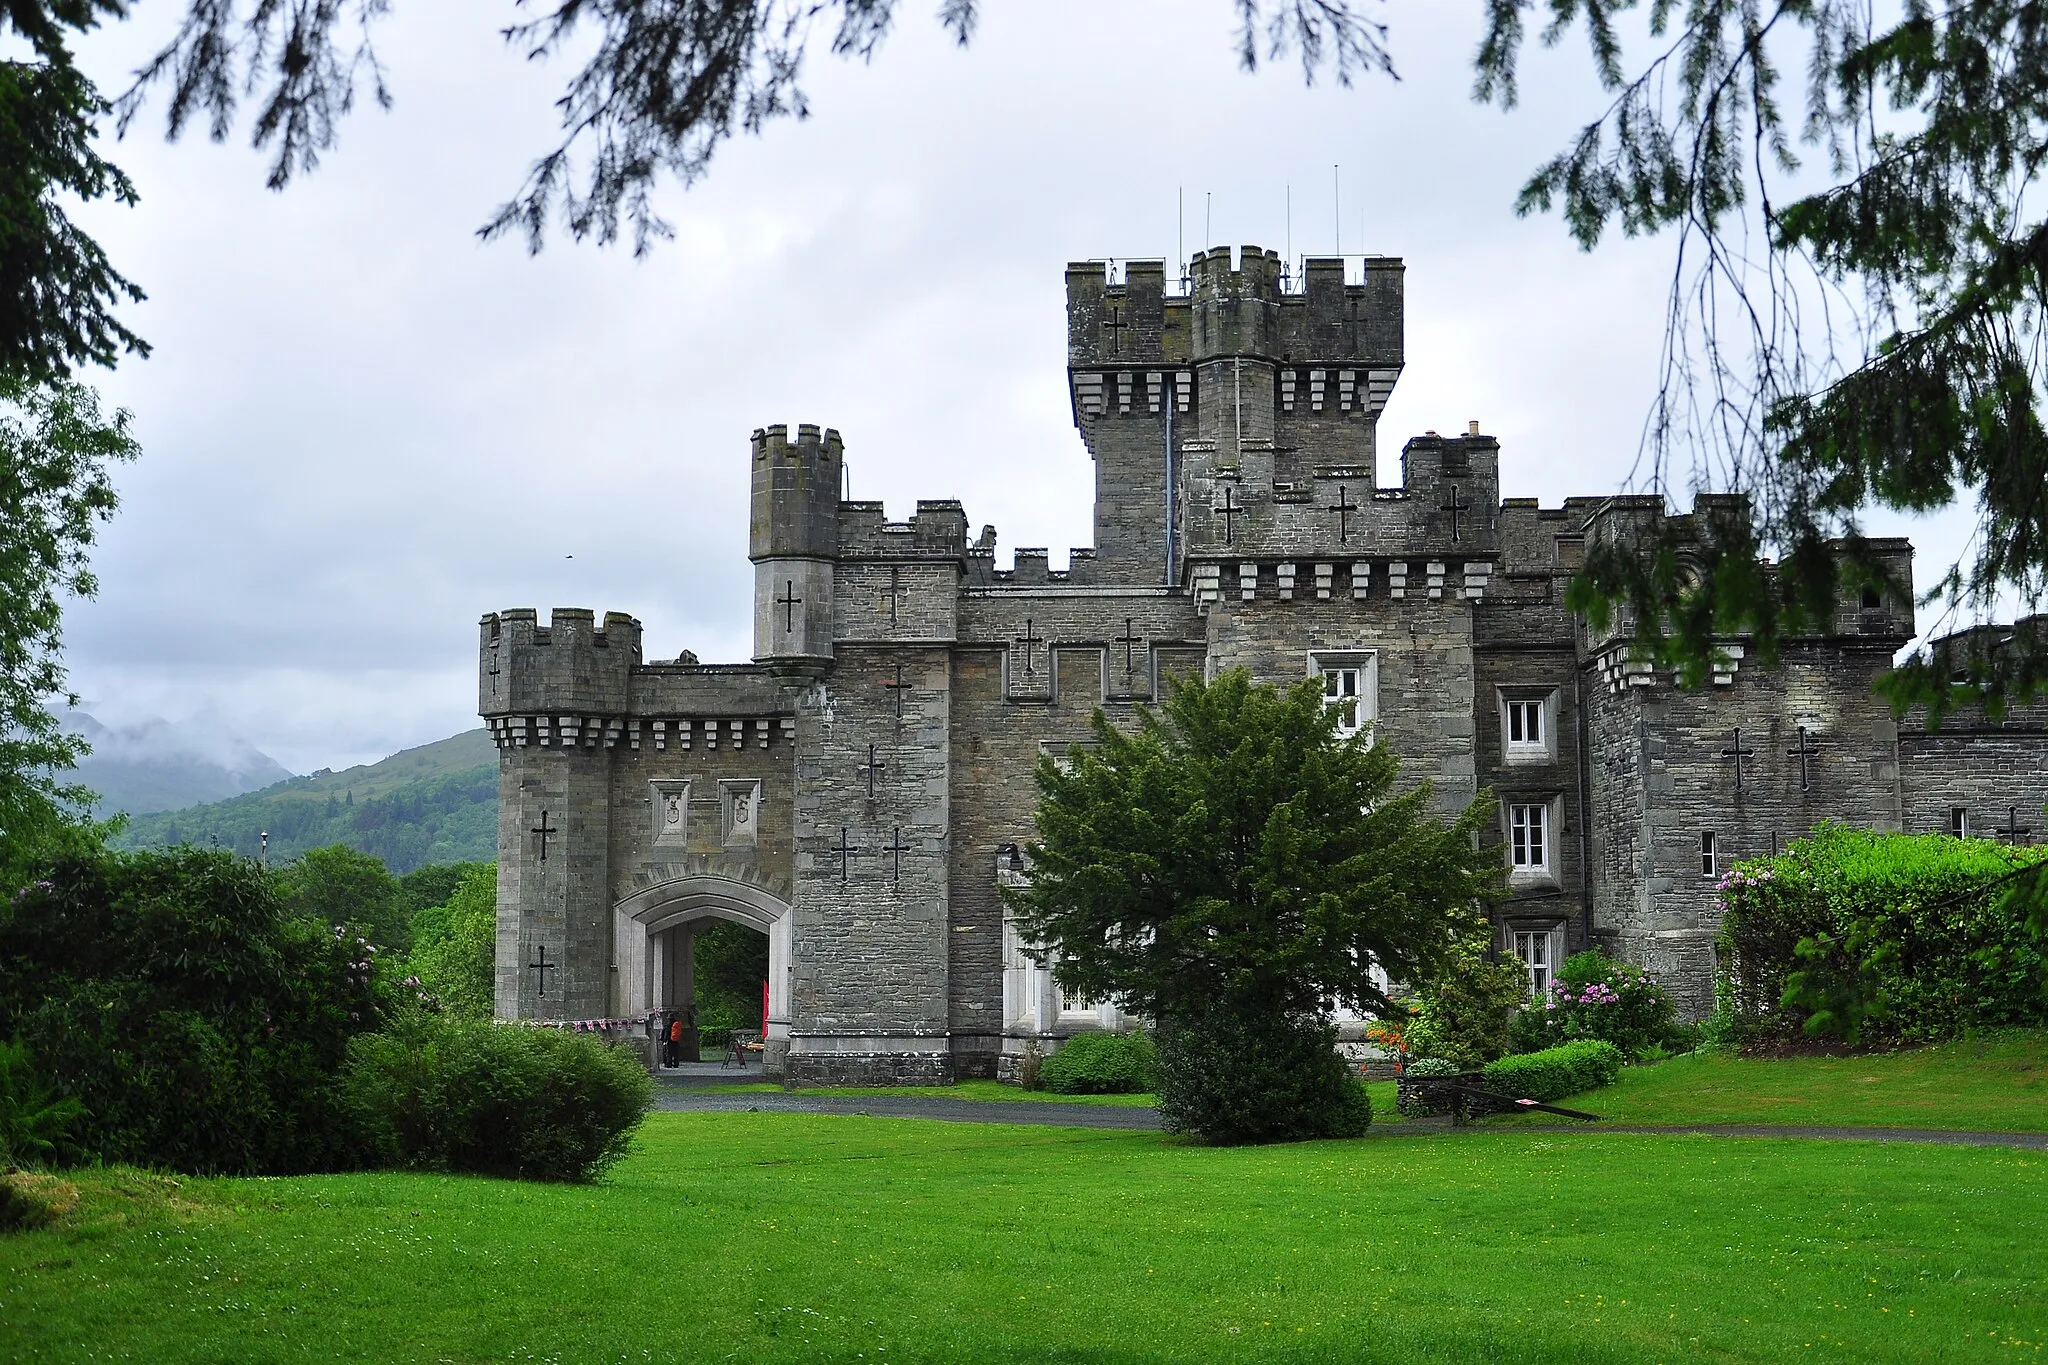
(1102, 1064)
(1905, 938)
(1557, 1072)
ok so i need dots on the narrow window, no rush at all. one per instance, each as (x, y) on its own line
(1341, 692)
(1533, 947)
(1529, 848)
(1871, 600)
(1709, 863)
(1959, 821)
(1525, 724)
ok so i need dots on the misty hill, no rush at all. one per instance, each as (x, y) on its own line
(434, 804)
(161, 765)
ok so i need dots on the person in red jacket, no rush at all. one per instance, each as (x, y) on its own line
(670, 1055)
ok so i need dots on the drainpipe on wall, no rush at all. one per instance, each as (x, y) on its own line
(1585, 815)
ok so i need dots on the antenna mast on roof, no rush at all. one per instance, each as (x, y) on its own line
(1337, 206)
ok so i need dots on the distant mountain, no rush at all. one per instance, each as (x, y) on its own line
(158, 765)
(434, 804)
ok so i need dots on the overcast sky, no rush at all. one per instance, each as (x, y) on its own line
(362, 428)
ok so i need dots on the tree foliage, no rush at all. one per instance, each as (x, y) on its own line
(1235, 851)
(662, 83)
(1872, 342)
(200, 1024)
(455, 945)
(338, 885)
(57, 287)
(57, 453)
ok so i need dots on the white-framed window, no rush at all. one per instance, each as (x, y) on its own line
(1528, 726)
(1525, 723)
(1538, 950)
(1710, 859)
(1959, 821)
(1350, 687)
(1074, 1005)
(1529, 837)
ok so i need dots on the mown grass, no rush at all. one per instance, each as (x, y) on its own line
(863, 1239)
(997, 1092)
(1994, 1085)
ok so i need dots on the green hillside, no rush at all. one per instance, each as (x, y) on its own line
(434, 804)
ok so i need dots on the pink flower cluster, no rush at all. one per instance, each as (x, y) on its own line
(1743, 876)
(1599, 993)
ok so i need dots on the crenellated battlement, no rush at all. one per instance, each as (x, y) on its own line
(794, 508)
(813, 447)
(937, 529)
(572, 663)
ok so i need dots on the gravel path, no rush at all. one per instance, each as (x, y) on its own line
(685, 1099)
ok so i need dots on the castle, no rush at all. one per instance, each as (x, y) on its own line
(860, 790)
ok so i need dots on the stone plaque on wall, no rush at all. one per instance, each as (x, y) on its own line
(671, 813)
(740, 812)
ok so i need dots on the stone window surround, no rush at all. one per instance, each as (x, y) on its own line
(1365, 658)
(1546, 875)
(1543, 752)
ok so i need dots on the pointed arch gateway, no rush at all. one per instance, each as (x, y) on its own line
(641, 919)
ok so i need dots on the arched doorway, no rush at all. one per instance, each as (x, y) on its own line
(645, 926)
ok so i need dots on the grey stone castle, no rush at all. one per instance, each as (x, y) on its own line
(861, 789)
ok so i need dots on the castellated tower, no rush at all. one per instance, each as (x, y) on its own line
(793, 537)
(568, 683)
(1247, 381)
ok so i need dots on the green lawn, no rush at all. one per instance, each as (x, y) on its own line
(1381, 1093)
(863, 1239)
(994, 1091)
(1996, 1086)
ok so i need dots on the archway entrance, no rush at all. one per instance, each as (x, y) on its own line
(692, 945)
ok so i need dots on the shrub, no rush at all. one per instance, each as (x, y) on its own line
(200, 1026)
(32, 1119)
(1230, 1078)
(1466, 1014)
(1557, 1072)
(1102, 1064)
(442, 1094)
(1890, 937)
(1597, 997)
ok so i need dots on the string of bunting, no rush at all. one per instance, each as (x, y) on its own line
(583, 1025)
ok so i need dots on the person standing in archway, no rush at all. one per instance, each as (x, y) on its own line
(670, 1052)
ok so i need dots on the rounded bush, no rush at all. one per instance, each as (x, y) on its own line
(1232, 1078)
(442, 1094)
(1102, 1064)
